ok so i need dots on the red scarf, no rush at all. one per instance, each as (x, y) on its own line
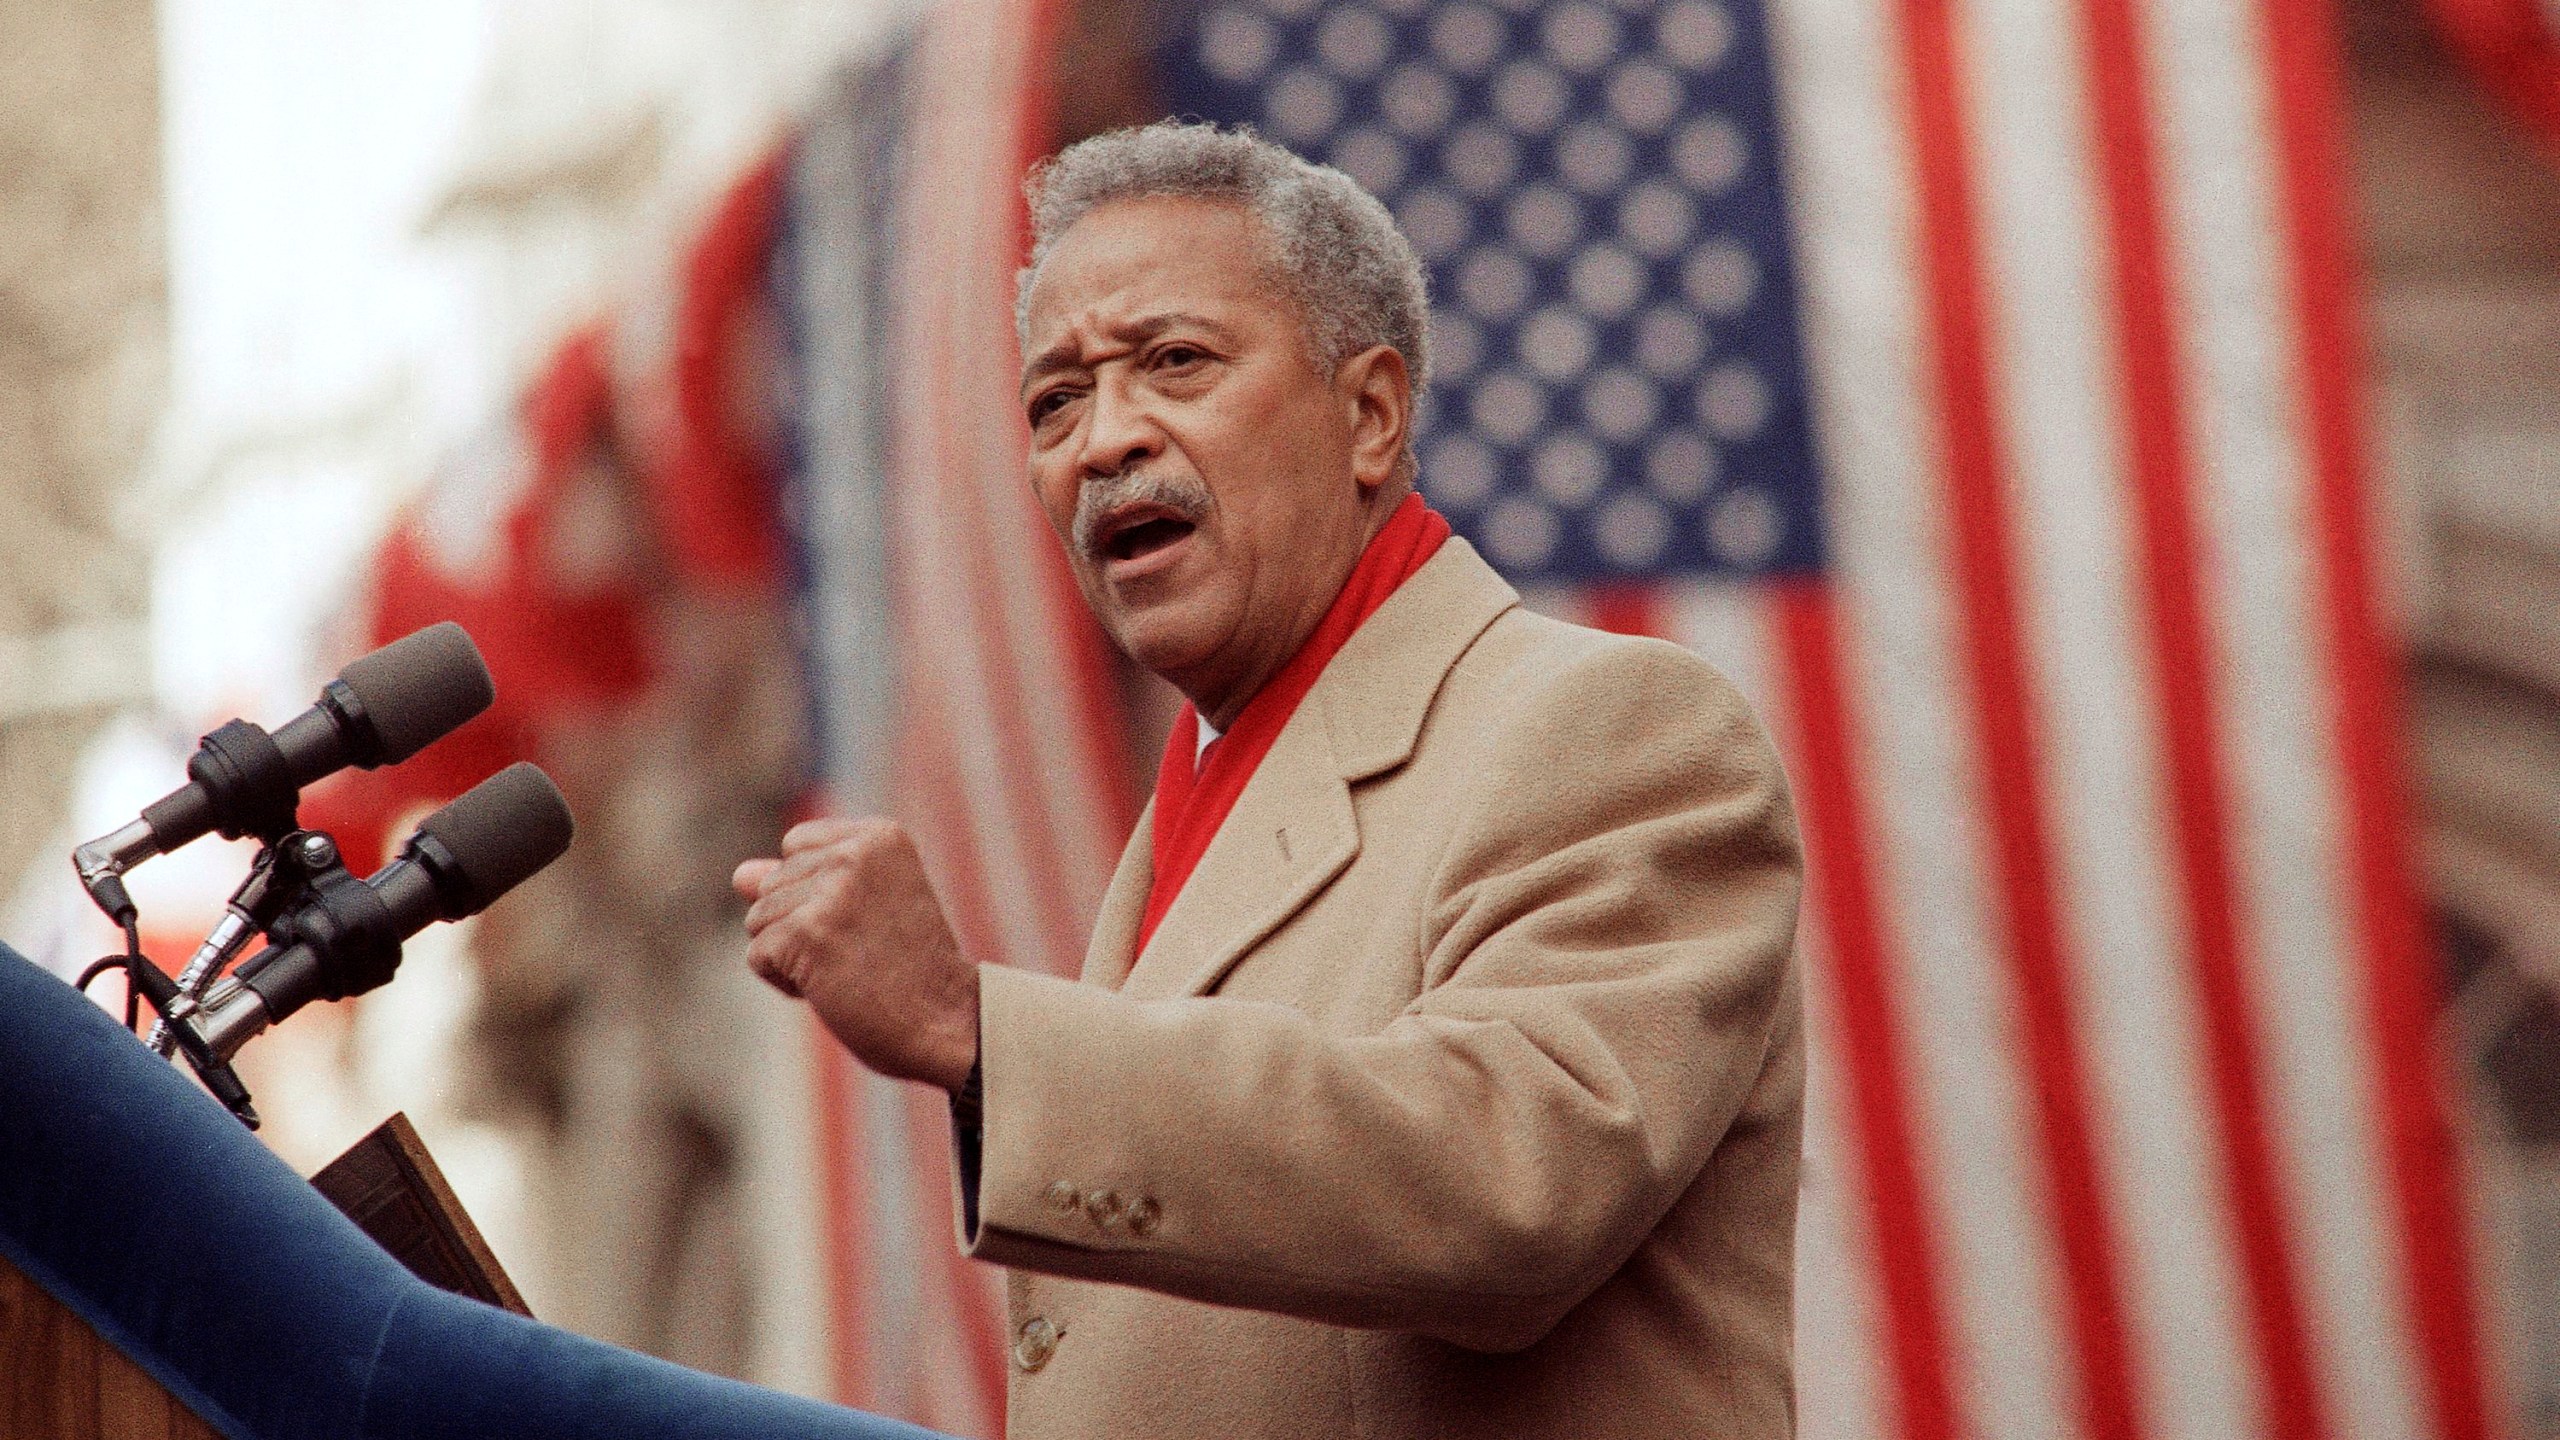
(1194, 795)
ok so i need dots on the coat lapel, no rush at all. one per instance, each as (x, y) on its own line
(1290, 833)
(1124, 908)
(1293, 829)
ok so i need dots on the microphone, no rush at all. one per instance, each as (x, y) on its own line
(345, 940)
(381, 710)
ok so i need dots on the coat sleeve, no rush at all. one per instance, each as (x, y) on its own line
(1606, 952)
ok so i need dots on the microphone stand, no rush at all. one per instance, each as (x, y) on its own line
(276, 880)
(287, 872)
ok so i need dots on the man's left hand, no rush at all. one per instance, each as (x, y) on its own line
(847, 921)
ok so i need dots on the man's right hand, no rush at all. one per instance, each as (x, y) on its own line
(847, 920)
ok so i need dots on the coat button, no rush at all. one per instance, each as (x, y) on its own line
(1063, 1197)
(1144, 1216)
(1037, 1342)
(1103, 1208)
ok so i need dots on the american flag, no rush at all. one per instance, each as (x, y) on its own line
(958, 681)
(1977, 385)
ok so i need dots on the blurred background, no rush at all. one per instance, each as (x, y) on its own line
(2111, 440)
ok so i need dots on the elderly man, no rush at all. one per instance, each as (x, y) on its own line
(1437, 1066)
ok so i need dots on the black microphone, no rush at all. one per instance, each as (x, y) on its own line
(381, 710)
(345, 939)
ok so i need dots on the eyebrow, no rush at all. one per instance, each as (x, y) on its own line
(1062, 356)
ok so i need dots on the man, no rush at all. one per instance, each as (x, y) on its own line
(1436, 1067)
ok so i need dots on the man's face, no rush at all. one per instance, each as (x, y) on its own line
(1210, 485)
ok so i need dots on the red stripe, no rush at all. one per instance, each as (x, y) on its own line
(1629, 610)
(1102, 723)
(976, 1312)
(2188, 712)
(2403, 1004)
(1902, 1232)
(947, 429)
(932, 782)
(1977, 477)
(848, 1217)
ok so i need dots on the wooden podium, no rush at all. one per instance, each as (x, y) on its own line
(60, 1380)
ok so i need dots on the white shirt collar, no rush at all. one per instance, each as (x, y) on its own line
(1208, 734)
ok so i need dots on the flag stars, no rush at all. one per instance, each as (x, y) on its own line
(1620, 404)
(1569, 470)
(1531, 98)
(1645, 97)
(1238, 46)
(1584, 180)
(1607, 281)
(1734, 402)
(1679, 467)
(1631, 530)
(1580, 37)
(1417, 100)
(1720, 278)
(1494, 283)
(1468, 38)
(1593, 158)
(1656, 220)
(1745, 527)
(1509, 408)
(1457, 344)
(1353, 42)
(1710, 154)
(1304, 105)
(1521, 533)
(1462, 471)
(1481, 160)
(1545, 222)
(1373, 157)
(1695, 33)
(1435, 221)
(1558, 343)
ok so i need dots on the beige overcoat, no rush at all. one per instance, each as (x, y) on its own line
(1459, 1094)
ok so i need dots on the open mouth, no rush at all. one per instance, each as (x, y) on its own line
(1146, 536)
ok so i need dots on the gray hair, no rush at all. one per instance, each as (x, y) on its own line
(1331, 247)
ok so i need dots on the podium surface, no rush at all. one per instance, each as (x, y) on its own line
(137, 1202)
(63, 1381)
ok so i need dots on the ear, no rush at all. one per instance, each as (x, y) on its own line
(1379, 393)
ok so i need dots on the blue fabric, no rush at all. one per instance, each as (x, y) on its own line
(136, 1201)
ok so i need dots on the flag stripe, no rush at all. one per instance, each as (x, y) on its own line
(2187, 709)
(1975, 475)
(2288, 812)
(972, 1290)
(1843, 896)
(1107, 768)
(2309, 110)
(1844, 105)
(847, 1260)
(1842, 1388)
(2150, 1122)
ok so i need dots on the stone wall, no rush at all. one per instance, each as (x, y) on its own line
(2461, 234)
(83, 316)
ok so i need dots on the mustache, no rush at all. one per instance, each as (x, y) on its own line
(1184, 495)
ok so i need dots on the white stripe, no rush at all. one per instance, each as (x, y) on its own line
(1056, 808)
(1842, 1354)
(1841, 94)
(944, 630)
(2288, 812)
(1841, 1350)
(1727, 625)
(2083, 621)
(894, 1305)
(1013, 528)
